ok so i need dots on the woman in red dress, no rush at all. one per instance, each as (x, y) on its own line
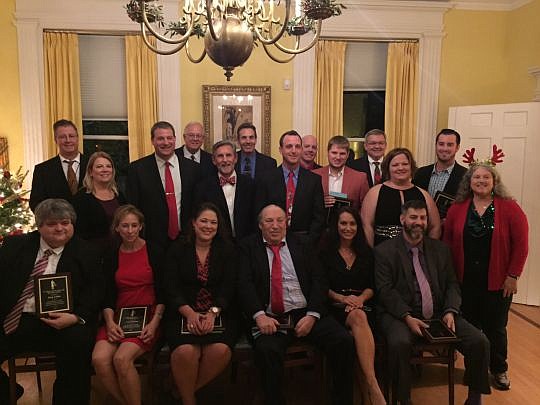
(132, 281)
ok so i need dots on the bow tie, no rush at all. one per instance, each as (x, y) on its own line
(224, 180)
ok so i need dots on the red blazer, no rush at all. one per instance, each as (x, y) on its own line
(509, 242)
(355, 184)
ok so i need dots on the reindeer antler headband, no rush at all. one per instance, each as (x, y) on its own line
(495, 158)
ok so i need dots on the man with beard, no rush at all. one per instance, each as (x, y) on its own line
(415, 281)
(445, 174)
(230, 191)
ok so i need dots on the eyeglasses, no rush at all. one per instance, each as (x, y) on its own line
(194, 136)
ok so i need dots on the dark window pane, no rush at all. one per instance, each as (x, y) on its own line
(105, 127)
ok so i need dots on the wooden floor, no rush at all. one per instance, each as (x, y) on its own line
(524, 361)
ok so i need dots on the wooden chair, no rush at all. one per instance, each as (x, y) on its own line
(34, 362)
(299, 354)
(429, 353)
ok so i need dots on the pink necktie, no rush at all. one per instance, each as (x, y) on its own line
(425, 289)
(11, 322)
(171, 203)
(290, 197)
(276, 292)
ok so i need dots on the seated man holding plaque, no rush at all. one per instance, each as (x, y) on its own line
(201, 322)
(342, 185)
(282, 289)
(50, 288)
(416, 282)
(132, 310)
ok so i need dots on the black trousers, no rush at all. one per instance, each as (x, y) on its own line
(72, 347)
(474, 346)
(328, 335)
(488, 311)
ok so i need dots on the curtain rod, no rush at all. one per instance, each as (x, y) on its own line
(387, 40)
(96, 32)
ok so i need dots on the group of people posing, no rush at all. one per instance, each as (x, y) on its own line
(216, 245)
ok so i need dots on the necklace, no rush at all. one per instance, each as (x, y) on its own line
(348, 256)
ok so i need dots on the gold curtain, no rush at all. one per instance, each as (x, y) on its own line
(142, 102)
(401, 95)
(329, 76)
(62, 83)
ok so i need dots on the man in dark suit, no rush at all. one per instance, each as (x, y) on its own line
(445, 174)
(297, 190)
(309, 153)
(193, 141)
(231, 192)
(280, 276)
(370, 163)
(62, 175)
(70, 335)
(250, 161)
(415, 280)
(166, 205)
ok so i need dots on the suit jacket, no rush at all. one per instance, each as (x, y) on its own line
(354, 184)
(263, 163)
(308, 205)
(110, 267)
(17, 259)
(207, 167)
(362, 165)
(181, 285)
(254, 274)
(49, 181)
(395, 277)
(209, 190)
(423, 176)
(145, 191)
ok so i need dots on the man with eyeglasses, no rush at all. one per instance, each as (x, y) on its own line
(370, 163)
(193, 142)
(62, 175)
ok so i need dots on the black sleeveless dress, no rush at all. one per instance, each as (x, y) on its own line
(387, 225)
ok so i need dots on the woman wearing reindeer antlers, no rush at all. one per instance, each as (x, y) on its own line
(488, 234)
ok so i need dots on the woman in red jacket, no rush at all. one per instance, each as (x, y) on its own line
(488, 234)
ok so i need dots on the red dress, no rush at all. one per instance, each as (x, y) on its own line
(135, 286)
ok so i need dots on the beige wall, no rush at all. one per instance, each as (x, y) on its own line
(10, 103)
(258, 70)
(485, 57)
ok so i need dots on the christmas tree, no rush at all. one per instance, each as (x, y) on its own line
(15, 214)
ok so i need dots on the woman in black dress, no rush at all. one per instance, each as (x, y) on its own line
(348, 263)
(96, 203)
(381, 207)
(200, 275)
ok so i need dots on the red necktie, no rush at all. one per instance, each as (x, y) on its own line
(276, 292)
(171, 203)
(11, 322)
(224, 180)
(290, 197)
(425, 289)
(376, 173)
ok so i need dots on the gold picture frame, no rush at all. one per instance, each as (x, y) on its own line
(227, 107)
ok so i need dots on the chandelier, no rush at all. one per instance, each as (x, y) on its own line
(230, 28)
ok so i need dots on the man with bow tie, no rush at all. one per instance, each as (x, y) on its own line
(231, 192)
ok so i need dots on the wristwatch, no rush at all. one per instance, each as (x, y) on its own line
(215, 310)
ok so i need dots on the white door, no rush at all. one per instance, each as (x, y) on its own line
(516, 129)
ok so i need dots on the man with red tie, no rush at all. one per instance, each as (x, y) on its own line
(230, 191)
(280, 277)
(415, 281)
(297, 190)
(162, 185)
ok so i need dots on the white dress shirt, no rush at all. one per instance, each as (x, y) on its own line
(177, 181)
(372, 166)
(335, 181)
(229, 191)
(30, 304)
(188, 154)
(76, 165)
